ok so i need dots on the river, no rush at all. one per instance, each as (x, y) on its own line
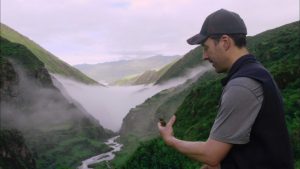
(104, 156)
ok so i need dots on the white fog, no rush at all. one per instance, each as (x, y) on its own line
(110, 104)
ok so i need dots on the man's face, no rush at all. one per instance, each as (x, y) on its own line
(215, 54)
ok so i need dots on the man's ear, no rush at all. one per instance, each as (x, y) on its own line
(226, 42)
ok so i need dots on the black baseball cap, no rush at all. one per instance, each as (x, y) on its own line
(218, 23)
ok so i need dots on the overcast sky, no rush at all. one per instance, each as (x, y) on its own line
(93, 31)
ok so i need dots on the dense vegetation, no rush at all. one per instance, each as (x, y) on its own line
(278, 50)
(135, 128)
(52, 63)
(190, 60)
(14, 154)
(57, 132)
(18, 53)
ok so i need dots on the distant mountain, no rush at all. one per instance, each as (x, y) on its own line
(52, 63)
(176, 69)
(58, 132)
(149, 76)
(112, 71)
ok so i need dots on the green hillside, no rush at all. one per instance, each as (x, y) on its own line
(12, 144)
(58, 133)
(162, 105)
(52, 63)
(190, 60)
(278, 50)
(149, 76)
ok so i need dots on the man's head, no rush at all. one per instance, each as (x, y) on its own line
(218, 23)
(223, 37)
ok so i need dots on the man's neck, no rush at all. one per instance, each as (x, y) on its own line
(236, 54)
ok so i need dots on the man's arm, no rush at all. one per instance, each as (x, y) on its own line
(210, 152)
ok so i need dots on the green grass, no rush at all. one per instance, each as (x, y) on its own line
(190, 60)
(52, 63)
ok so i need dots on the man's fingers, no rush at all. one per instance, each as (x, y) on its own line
(159, 125)
(169, 124)
(171, 121)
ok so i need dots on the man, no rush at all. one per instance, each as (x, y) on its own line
(249, 131)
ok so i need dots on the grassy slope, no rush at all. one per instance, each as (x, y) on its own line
(188, 61)
(147, 77)
(154, 75)
(52, 63)
(278, 50)
(56, 144)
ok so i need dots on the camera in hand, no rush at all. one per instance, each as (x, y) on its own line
(162, 122)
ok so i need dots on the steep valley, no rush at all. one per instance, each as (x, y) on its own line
(53, 122)
(56, 131)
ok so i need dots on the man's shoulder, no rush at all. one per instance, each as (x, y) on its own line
(244, 82)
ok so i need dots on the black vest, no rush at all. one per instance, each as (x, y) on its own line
(269, 146)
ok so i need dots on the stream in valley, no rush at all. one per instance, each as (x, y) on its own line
(104, 156)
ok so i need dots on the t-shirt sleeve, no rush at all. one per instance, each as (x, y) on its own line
(237, 112)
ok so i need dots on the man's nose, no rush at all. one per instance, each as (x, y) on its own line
(205, 55)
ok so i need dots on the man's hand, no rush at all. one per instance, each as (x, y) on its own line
(210, 152)
(166, 132)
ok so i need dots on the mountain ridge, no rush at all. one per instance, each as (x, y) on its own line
(112, 71)
(52, 63)
(53, 127)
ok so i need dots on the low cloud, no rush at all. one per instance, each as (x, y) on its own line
(111, 104)
(28, 105)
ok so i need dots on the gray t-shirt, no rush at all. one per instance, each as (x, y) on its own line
(240, 103)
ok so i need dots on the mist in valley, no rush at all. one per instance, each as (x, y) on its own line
(110, 104)
(26, 104)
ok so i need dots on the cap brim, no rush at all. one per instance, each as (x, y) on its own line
(197, 39)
